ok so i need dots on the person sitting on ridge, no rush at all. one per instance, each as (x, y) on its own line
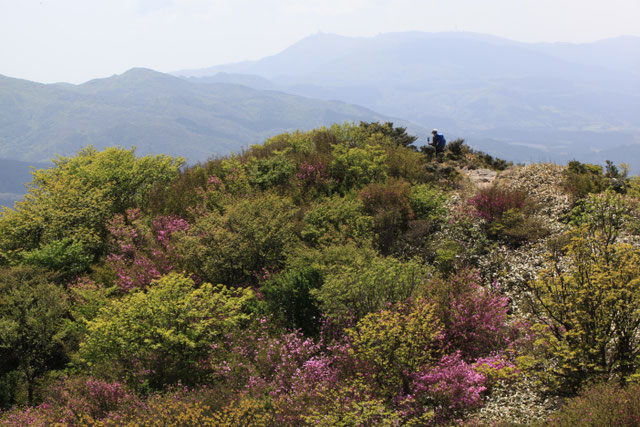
(438, 141)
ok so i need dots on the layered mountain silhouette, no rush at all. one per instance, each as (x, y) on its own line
(157, 113)
(525, 102)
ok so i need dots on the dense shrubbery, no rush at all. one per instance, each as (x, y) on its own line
(508, 215)
(333, 277)
(586, 301)
(605, 404)
(584, 178)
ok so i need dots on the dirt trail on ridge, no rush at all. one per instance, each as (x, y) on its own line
(480, 178)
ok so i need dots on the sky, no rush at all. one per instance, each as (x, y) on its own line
(78, 40)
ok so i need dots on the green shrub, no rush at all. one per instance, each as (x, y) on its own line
(581, 179)
(456, 149)
(507, 215)
(389, 206)
(65, 257)
(357, 161)
(163, 336)
(234, 247)
(605, 404)
(337, 220)
(288, 298)
(398, 135)
(271, 171)
(427, 202)
(32, 319)
(460, 243)
(363, 282)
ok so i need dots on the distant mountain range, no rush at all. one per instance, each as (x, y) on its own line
(156, 112)
(13, 176)
(521, 101)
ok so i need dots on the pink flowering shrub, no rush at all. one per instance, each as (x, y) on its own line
(89, 396)
(474, 318)
(33, 416)
(272, 365)
(313, 175)
(141, 252)
(606, 404)
(288, 370)
(508, 215)
(76, 401)
(451, 387)
(491, 203)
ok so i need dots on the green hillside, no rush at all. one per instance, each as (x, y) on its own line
(340, 276)
(155, 112)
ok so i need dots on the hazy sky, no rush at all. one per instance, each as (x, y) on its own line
(77, 40)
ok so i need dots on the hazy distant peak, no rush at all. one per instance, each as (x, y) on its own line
(138, 80)
(133, 75)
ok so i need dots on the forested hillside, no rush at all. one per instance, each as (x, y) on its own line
(156, 112)
(339, 276)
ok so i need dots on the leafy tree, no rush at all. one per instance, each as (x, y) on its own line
(586, 301)
(398, 135)
(234, 247)
(589, 322)
(60, 211)
(289, 298)
(128, 178)
(362, 282)
(158, 337)
(32, 318)
(398, 342)
(66, 207)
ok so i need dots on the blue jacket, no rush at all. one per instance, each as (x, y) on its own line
(439, 142)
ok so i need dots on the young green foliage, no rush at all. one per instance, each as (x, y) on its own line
(67, 205)
(587, 301)
(158, 337)
(32, 334)
(233, 247)
(362, 282)
(398, 342)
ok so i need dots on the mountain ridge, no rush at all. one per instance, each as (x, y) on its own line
(156, 112)
(473, 85)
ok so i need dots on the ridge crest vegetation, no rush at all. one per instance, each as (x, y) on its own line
(340, 276)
